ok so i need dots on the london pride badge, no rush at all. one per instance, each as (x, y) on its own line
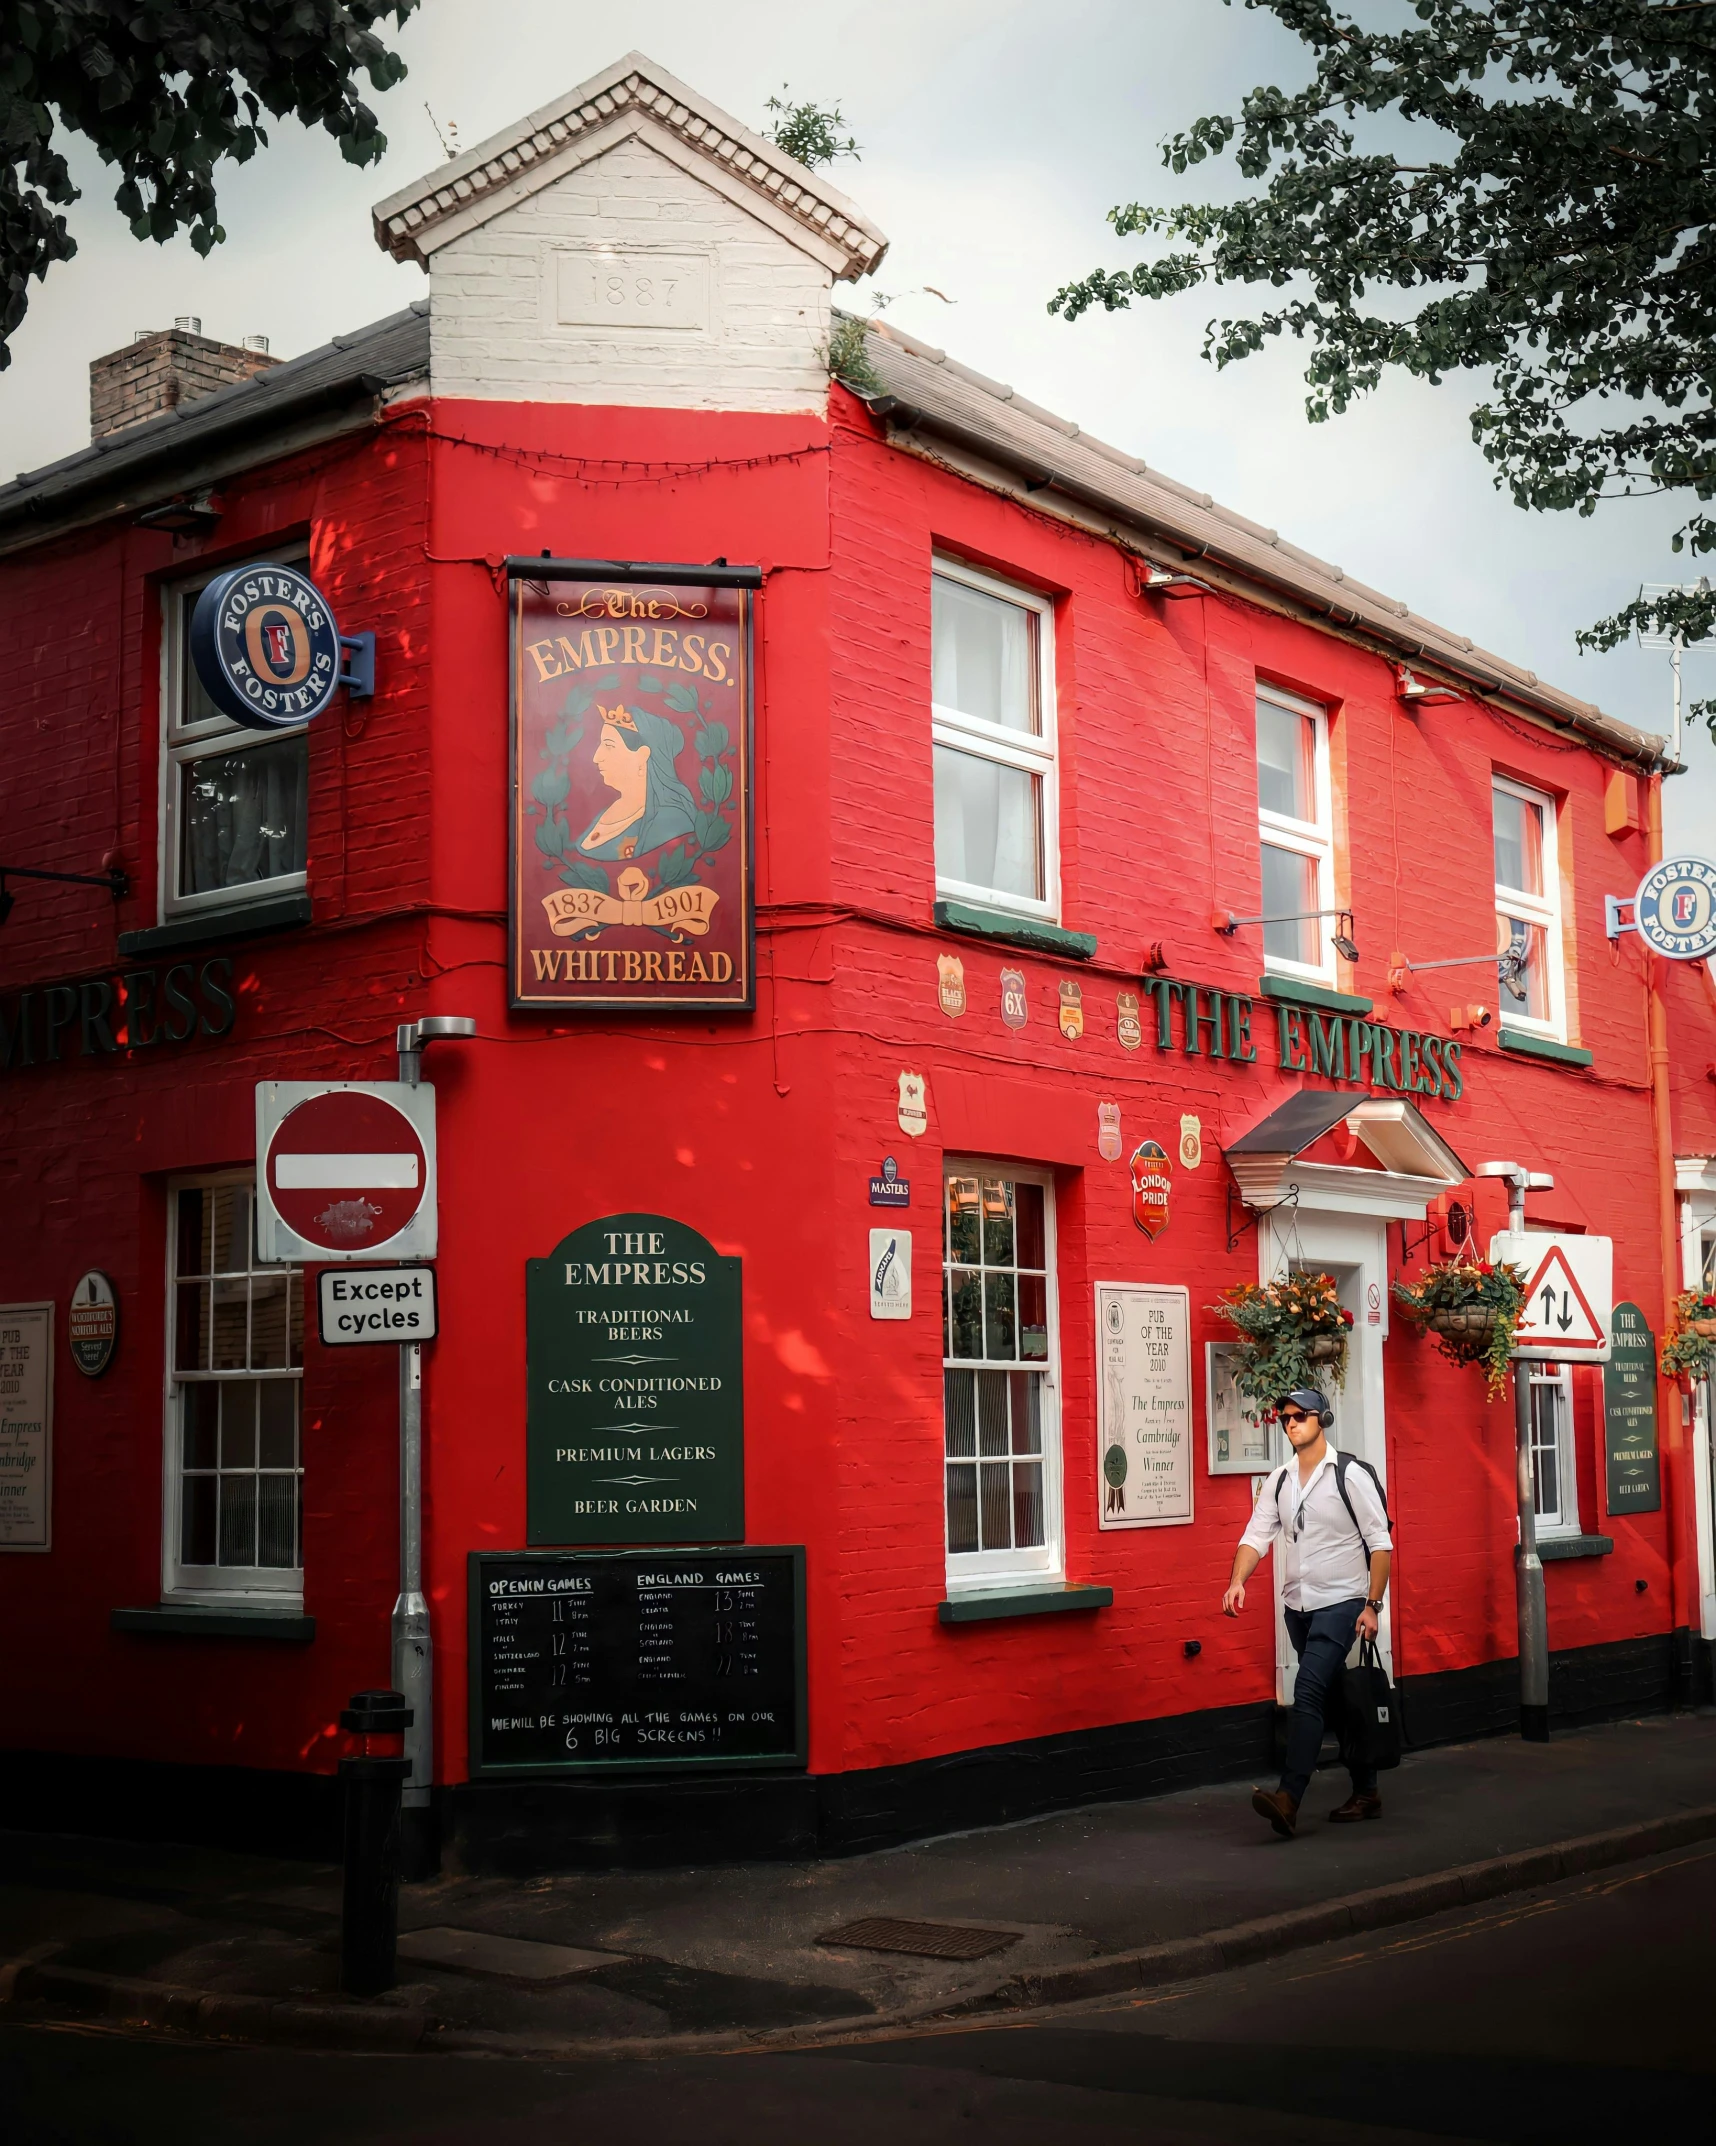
(631, 873)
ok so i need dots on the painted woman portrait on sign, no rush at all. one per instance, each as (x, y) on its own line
(634, 756)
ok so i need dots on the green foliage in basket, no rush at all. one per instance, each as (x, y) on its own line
(1686, 1354)
(1470, 1285)
(1284, 1329)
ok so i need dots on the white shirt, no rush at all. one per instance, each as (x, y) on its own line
(1322, 1558)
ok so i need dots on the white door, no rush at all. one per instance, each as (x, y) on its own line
(1354, 1249)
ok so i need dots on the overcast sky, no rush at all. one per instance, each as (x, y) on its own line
(995, 135)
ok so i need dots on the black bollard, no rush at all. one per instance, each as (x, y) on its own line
(369, 1924)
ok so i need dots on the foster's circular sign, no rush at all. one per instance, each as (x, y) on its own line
(1675, 908)
(265, 646)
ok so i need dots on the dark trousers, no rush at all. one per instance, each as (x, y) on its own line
(1321, 1639)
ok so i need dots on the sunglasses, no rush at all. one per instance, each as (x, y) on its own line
(1293, 1415)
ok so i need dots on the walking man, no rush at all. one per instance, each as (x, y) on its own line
(1326, 1512)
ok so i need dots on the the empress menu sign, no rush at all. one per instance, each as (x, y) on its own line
(635, 1378)
(637, 1658)
(631, 785)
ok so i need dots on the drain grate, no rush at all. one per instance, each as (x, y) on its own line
(927, 1940)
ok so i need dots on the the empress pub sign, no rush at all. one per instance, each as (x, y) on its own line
(631, 785)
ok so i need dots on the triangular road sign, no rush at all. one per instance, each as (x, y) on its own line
(1558, 1315)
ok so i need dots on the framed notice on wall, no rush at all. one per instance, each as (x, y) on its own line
(1144, 1406)
(631, 785)
(1237, 1446)
(26, 1426)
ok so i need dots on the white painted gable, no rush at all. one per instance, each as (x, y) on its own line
(630, 243)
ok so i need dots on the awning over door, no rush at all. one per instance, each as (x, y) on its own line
(1411, 1164)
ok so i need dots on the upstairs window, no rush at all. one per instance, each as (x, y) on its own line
(1554, 1477)
(1528, 911)
(1001, 1437)
(993, 727)
(1296, 834)
(236, 809)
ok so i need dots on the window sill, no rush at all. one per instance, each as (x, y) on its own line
(1295, 993)
(979, 1607)
(1551, 1547)
(284, 913)
(1528, 1046)
(1040, 938)
(191, 1620)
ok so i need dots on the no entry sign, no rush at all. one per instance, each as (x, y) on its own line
(344, 1170)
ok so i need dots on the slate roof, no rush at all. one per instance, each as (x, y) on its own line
(925, 392)
(147, 461)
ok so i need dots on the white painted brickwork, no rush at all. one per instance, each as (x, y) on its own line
(509, 299)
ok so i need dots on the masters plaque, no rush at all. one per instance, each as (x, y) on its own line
(631, 785)
(1629, 1415)
(635, 1377)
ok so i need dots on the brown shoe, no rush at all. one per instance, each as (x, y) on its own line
(1355, 1808)
(1279, 1808)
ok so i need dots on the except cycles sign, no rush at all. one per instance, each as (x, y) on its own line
(362, 1304)
(344, 1170)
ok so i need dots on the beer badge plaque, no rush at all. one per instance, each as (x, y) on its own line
(1126, 1021)
(631, 786)
(1013, 1003)
(950, 985)
(1072, 1011)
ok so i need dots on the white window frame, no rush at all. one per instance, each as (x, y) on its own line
(274, 1586)
(1543, 909)
(1558, 1378)
(993, 1571)
(1306, 838)
(1035, 755)
(183, 743)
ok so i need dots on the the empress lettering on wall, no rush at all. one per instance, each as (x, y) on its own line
(631, 878)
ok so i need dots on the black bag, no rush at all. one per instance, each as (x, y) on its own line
(1371, 1728)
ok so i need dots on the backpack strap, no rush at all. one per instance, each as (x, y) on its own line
(1280, 1478)
(1344, 1461)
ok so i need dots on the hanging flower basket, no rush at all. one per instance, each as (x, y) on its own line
(1288, 1333)
(1690, 1350)
(1473, 1308)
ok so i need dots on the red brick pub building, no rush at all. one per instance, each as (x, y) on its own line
(1029, 723)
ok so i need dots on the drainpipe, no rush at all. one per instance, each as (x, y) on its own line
(1677, 1452)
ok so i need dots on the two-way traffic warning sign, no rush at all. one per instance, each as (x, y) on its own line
(1569, 1294)
(344, 1170)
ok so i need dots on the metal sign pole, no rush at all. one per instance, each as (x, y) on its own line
(413, 1661)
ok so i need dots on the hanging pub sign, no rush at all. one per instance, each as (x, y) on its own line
(634, 1369)
(1152, 1183)
(631, 785)
(265, 646)
(1629, 1416)
(1675, 908)
(92, 1325)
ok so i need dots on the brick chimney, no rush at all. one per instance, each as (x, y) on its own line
(163, 367)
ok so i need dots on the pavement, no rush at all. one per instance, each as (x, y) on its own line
(1575, 2014)
(1089, 1902)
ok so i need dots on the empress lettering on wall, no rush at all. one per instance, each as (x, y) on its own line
(631, 874)
(635, 1375)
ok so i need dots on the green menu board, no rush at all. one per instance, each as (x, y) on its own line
(635, 1377)
(1629, 1416)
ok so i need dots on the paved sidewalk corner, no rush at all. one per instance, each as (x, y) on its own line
(1093, 1900)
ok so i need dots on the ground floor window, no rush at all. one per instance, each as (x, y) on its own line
(234, 1492)
(1000, 1429)
(1554, 1477)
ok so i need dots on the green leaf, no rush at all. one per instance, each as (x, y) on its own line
(550, 787)
(682, 698)
(576, 873)
(677, 867)
(648, 682)
(712, 832)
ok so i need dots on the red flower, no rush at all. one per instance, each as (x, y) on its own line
(1484, 1267)
(1347, 1318)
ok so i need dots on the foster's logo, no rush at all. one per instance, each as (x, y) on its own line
(265, 645)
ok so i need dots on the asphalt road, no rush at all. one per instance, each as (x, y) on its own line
(1585, 2012)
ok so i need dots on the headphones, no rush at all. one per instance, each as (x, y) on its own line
(1305, 1396)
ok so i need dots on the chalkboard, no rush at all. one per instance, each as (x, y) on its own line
(634, 1350)
(1629, 1415)
(637, 1659)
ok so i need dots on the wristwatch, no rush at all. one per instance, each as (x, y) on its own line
(1377, 1606)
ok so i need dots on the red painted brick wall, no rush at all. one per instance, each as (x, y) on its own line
(762, 1130)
